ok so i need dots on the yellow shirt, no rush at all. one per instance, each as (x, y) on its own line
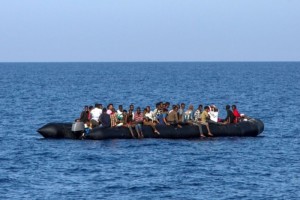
(204, 116)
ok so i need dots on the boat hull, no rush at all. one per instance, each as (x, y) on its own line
(250, 128)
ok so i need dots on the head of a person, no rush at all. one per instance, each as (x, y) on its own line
(167, 104)
(86, 108)
(91, 108)
(110, 106)
(233, 107)
(161, 105)
(227, 107)
(104, 110)
(191, 107)
(200, 107)
(148, 109)
(175, 108)
(124, 112)
(100, 106)
(182, 105)
(138, 110)
(157, 105)
(120, 108)
(206, 108)
(131, 107)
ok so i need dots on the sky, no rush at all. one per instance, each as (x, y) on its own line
(149, 30)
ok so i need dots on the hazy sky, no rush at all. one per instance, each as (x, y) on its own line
(149, 30)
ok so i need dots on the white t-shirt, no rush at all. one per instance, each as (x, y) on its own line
(95, 113)
(213, 116)
(150, 115)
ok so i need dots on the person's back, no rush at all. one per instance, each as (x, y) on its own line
(230, 116)
(95, 114)
(84, 116)
(105, 119)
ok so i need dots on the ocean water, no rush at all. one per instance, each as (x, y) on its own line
(263, 167)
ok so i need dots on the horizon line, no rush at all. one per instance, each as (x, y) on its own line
(145, 61)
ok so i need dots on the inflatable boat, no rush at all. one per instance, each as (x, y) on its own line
(250, 128)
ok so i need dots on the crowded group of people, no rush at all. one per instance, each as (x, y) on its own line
(176, 115)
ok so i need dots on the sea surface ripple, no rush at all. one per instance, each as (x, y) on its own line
(263, 167)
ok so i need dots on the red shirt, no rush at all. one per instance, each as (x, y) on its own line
(138, 117)
(237, 115)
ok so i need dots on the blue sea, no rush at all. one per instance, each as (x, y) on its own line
(263, 167)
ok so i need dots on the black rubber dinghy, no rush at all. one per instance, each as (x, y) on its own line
(250, 128)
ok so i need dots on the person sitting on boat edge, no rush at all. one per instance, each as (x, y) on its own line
(188, 114)
(162, 118)
(138, 120)
(131, 108)
(105, 119)
(213, 113)
(130, 122)
(172, 117)
(166, 105)
(150, 120)
(120, 112)
(204, 120)
(113, 117)
(157, 111)
(109, 108)
(198, 112)
(84, 115)
(181, 113)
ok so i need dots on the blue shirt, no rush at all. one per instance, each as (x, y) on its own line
(161, 118)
